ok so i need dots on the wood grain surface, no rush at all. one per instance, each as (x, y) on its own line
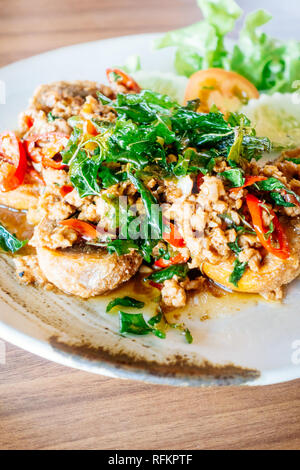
(47, 406)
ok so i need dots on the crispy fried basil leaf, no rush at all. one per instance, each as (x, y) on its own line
(84, 173)
(234, 246)
(9, 242)
(156, 319)
(72, 145)
(179, 270)
(294, 160)
(135, 323)
(121, 247)
(271, 185)
(235, 176)
(238, 272)
(124, 302)
(186, 331)
(280, 201)
(150, 204)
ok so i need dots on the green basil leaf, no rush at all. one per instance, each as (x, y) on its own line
(133, 323)
(124, 302)
(156, 319)
(279, 200)
(72, 145)
(179, 270)
(186, 331)
(294, 160)
(235, 176)
(238, 272)
(121, 247)
(9, 242)
(103, 99)
(51, 117)
(235, 246)
(270, 184)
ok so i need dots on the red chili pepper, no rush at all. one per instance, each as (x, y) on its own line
(29, 121)
(173, 237)
(90, 128)
(156, 285)
(165, 263)
(13, 162)
(43, 148)
(200, 181)
(255, 209)
(122, 78)
(85, 230)
(65, 190)
(250, 180)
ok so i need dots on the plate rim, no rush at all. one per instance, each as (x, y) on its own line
(43, 349)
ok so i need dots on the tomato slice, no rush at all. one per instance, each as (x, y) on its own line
(43, 148)
(85, 230)
(173, 237)
(227, 90)
(255, 209)
(13, 162)
(165, 263)
(122, 78)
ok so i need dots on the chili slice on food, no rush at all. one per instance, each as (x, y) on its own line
(43, 148)
(255, 209)
(250, 180)
(85, 230)
(122, 78)
(173, 237)
(65, 190)
(13, 162)
(165, 263)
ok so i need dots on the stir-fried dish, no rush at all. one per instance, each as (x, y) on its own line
(118, 181)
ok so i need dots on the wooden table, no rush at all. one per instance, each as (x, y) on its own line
(47, 406)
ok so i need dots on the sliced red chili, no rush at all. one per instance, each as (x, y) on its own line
(90, 128)
(255, 209)
(156, 285)
(13, 161)
(122, 78)
(200, 180)
(173, 237)
(43, 148)
(250, 180)
(85, 230)
(29, 121)
(165, 263)
(65, 190)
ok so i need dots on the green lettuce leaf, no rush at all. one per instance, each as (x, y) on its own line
(201, 46)
(269, 64)
(222, 14)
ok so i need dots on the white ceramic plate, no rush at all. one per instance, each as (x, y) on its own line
(245, 341)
